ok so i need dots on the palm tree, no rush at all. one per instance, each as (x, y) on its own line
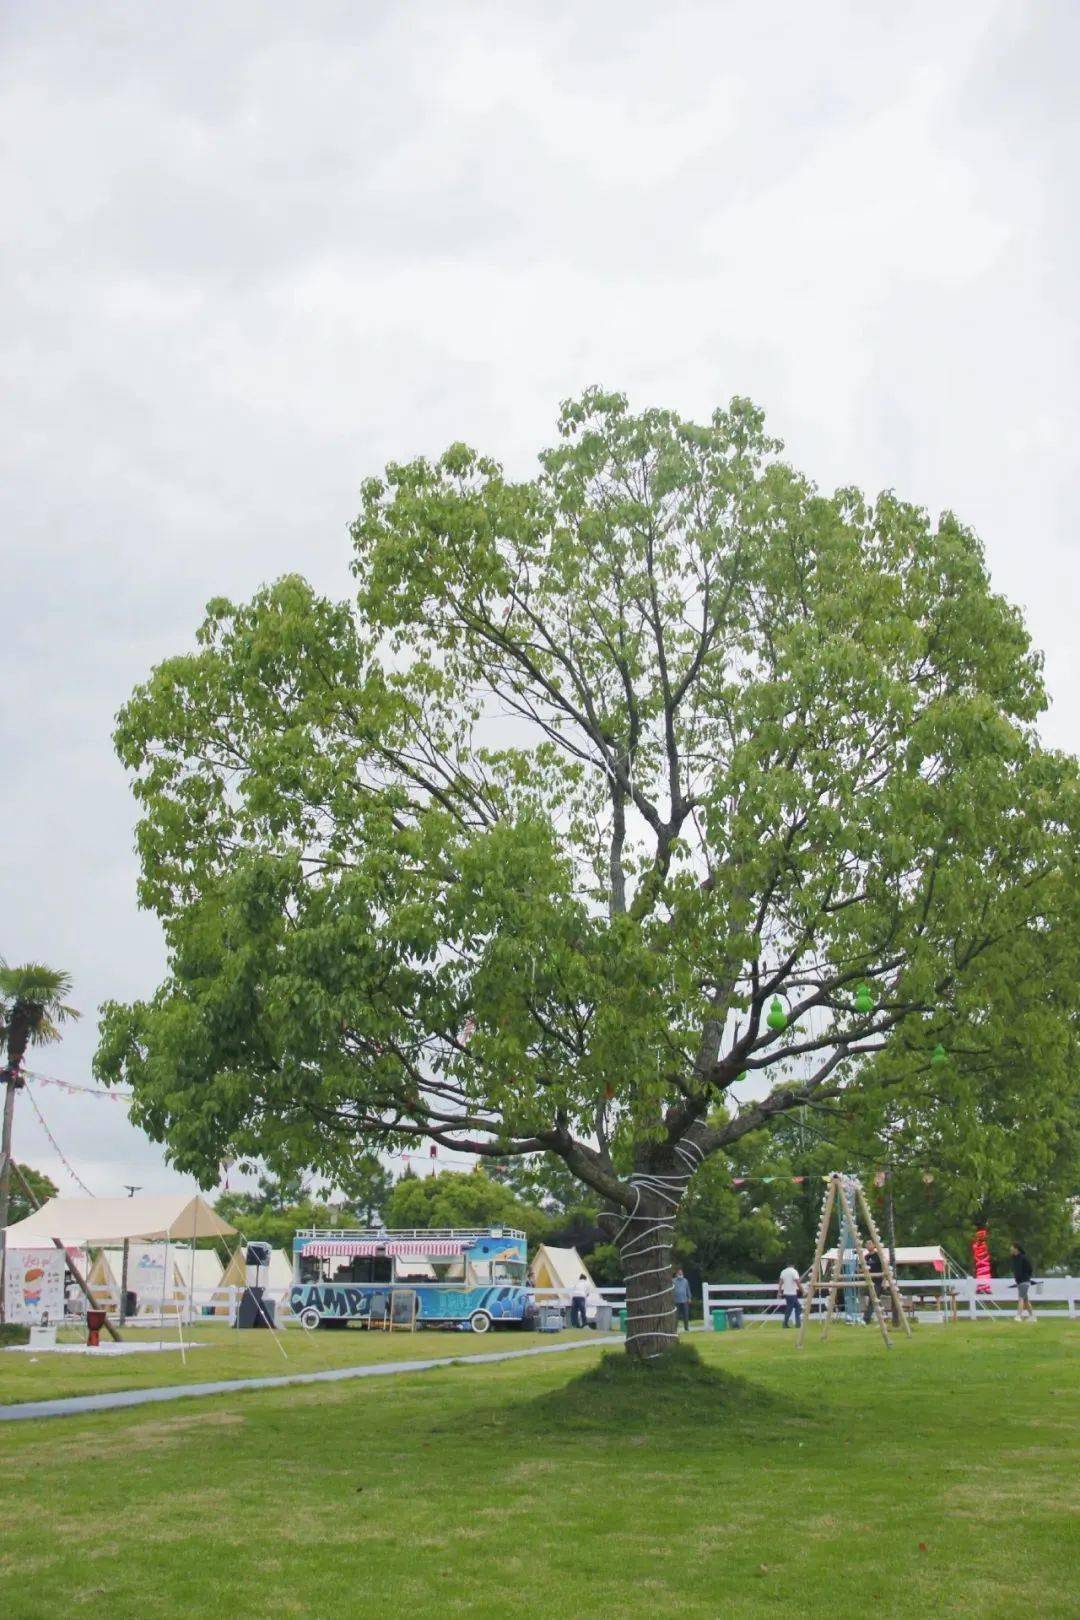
(32, 1009)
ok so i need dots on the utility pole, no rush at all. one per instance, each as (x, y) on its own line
(131, 1191)
(10, 1076)
(12, 1080)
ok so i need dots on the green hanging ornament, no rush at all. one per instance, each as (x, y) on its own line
(864, 1000)
(939, 1056)
(777, 1018)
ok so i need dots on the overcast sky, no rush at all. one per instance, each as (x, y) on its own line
(254, 251)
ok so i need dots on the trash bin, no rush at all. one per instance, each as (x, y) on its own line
(735, 1318)
(131, 1304)
(551, 1319)
(719, 1321)
(602, 1320)
(622, 1320)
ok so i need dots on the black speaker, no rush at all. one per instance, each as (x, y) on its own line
(254, 1311)
(257, 1254)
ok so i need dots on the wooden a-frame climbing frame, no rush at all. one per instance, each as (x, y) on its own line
(844, 1195)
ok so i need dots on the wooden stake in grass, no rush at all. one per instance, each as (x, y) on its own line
(886, 1265)
(815, 1270)
(860, 1255)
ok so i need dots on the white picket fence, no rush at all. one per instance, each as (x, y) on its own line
(937, 1299)
(190, 1308)
(932, 1300)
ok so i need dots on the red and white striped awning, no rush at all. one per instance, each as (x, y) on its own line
(345, 1248)
(423, 1250)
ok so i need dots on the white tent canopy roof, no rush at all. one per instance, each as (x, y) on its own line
(563, 1266)
(928, 1254)
(77, 1222)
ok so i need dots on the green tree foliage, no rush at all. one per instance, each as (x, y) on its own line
(580, 830)
(544, 1181)
(724, 1233)
(948, 1175)
(573, 1212)
(462, 1199)
(276, 1224)
(40, 1185)
(365, 1186)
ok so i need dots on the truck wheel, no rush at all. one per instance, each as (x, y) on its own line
(309, 1318)
(480, 1321)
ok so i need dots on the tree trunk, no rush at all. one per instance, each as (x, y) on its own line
(644, 1246)
(5, 1151)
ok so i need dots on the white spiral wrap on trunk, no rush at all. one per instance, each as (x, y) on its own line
(670, 1190)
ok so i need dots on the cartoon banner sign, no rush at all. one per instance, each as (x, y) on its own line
(34, 1286)
(980, 1254)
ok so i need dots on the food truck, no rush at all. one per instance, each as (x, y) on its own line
(452, 1277)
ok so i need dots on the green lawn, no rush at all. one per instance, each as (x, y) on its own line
(939, 1479)
(231, 1354)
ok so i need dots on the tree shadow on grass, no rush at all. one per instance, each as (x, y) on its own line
(675, 1394)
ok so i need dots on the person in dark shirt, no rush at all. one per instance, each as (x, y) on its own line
(1022, 1275)
(873, 1266)
(682, 1299)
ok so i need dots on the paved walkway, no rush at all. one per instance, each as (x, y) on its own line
(73, 1405)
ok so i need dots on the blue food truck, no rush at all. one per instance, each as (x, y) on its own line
(452, 1277)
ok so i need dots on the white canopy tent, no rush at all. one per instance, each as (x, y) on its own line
(78, 1224)
(926, 1254)
(104, 1222)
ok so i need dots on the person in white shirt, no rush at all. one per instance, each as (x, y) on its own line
(791, 1290)
(579, 1302)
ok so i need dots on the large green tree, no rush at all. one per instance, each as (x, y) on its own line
(582, 828)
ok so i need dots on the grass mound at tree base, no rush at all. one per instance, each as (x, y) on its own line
(673, 1390)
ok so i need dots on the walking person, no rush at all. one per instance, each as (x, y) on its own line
(579, 1303)
(682, 1299)
(790, 1289)
(875, 1268)
(1022, 1275)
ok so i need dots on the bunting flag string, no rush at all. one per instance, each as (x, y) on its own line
(97, 1092)
(72, 1172)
